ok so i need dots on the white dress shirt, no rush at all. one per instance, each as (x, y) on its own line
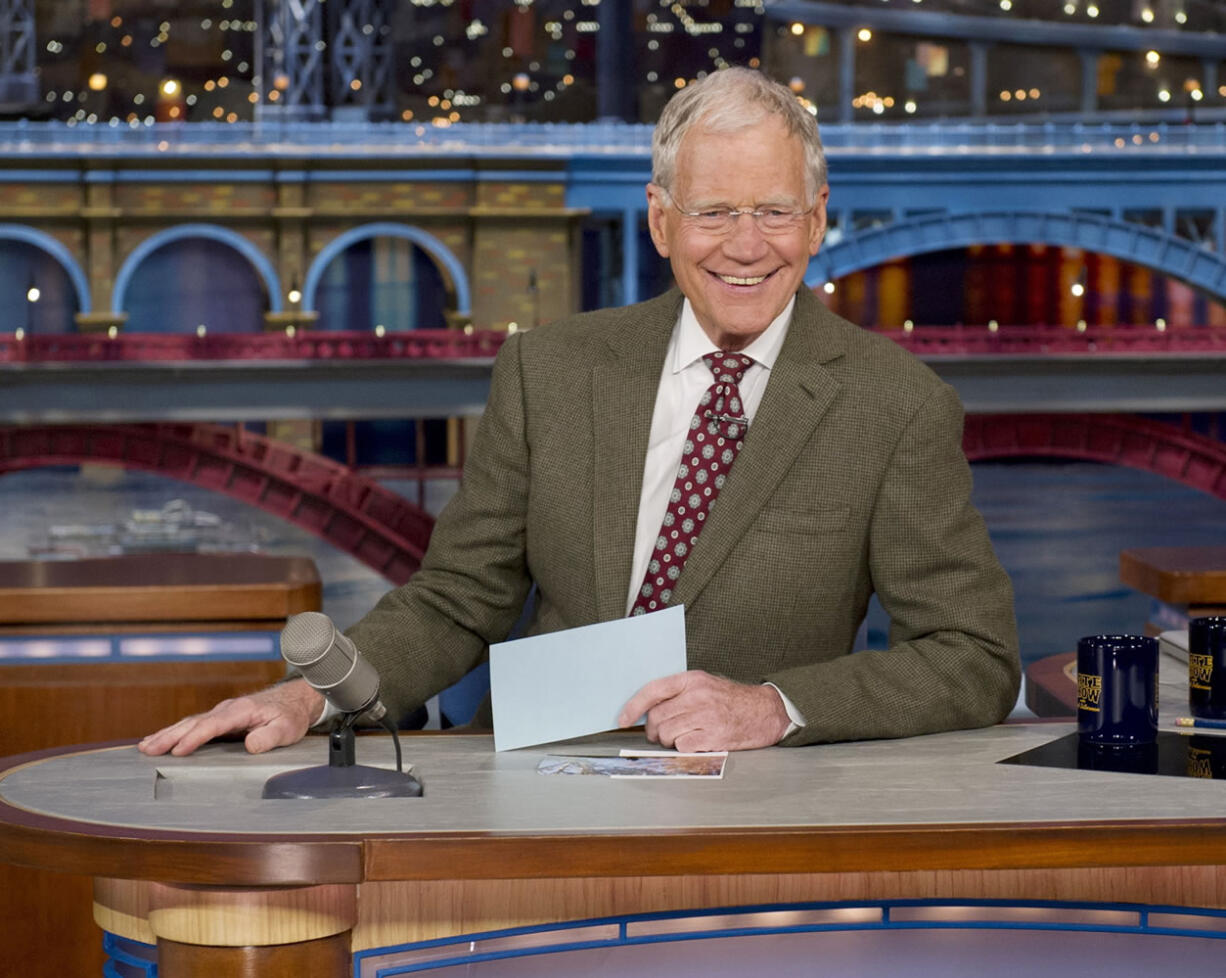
(682, 382)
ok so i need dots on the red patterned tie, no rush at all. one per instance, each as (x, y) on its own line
(717, 432)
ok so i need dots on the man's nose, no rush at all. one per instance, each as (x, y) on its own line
(745, 239)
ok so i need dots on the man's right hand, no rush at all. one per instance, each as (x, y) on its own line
(273, 717)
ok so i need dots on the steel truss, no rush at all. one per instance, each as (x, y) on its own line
(18, 79)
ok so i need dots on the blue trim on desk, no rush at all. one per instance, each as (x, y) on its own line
(133, 959)
(886, 921)
(102, 647)
(126, 958)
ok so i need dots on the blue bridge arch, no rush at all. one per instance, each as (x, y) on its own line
(453, 271)
(57, 250)
(1154, 248)
(215, 232)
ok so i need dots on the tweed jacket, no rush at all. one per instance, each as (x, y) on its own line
(851, 480)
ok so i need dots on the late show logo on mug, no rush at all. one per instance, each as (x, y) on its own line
(1200, 670)
(1089, 692)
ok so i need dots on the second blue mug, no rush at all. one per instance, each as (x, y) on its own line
(1207, 667)
(1117, 690)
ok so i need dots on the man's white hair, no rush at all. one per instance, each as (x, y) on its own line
(729, 100)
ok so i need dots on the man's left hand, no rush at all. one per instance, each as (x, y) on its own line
(695, 711)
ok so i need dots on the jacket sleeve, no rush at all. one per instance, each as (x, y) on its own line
(952, 660)
(473, 582)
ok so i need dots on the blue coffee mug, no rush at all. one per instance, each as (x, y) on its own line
(1117, 689)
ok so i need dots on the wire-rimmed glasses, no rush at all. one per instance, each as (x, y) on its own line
(770, 218)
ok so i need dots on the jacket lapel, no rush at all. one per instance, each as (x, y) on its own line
(624, 386)
(798, 394)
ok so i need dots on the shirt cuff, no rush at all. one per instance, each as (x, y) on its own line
(797, 718)
(331, 711)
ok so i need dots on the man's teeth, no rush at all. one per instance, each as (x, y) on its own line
(734, 280)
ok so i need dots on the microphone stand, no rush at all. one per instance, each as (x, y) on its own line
(342, 777)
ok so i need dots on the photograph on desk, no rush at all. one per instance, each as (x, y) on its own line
(648, 764)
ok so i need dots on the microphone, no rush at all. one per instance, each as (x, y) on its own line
(331, 663)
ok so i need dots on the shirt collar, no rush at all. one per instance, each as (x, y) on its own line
(691, 342)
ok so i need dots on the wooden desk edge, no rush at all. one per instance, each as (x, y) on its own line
(1144, 570)
(156, 588)
(199, 602)
(65, 845)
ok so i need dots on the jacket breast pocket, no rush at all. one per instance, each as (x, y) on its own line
(807, 521)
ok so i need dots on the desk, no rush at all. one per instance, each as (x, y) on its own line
(1190, 579)
(166, 592)
(43, 703)
(185, 854)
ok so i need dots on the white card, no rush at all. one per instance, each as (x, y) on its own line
(575, 682)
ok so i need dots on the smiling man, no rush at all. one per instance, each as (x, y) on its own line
(738, 213)
(732, 447)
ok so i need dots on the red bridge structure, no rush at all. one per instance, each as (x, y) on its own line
(1044, 340)
(353, 513)
(418, 344)
(444, 344)
(389, 534)
(1116, 439)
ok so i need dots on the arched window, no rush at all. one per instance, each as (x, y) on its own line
(1186, 258)
(35, 291)
(1036, 285)
(192, 282)
(381, 281)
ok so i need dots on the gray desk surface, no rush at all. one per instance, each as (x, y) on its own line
(950, 778)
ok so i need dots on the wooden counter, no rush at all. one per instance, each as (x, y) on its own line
(49, 703)
(44, 704)
(1190, 579)
(187, 855)
(173, 591)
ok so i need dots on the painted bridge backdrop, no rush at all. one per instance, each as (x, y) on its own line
(499, 211)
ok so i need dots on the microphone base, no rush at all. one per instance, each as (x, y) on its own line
(354, 781)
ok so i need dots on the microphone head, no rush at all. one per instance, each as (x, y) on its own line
(308, 639)
(329, 662)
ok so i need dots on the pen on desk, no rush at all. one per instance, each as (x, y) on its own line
(1200, 722)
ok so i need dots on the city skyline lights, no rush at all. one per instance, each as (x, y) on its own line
(137, 62)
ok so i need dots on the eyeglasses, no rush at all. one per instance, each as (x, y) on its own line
(721, 220)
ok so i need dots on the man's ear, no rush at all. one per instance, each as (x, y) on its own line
(656, 217)
(818, 234)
